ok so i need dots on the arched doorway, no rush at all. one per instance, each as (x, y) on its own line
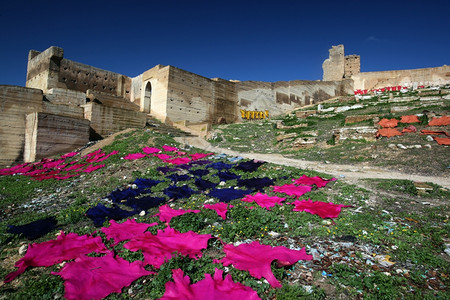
(146, 105)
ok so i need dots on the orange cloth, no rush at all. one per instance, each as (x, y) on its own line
(388, 123)
(388, 132)
(444, 120)
(410, 119)
(442, 141)
(433, 132)
(409, 128)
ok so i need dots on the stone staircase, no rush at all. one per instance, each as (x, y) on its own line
(163, 128)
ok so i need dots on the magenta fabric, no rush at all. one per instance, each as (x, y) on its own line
(197, 156)
(169, 149)
(163, 156)
(221, 208)
(264, 200)
(208, 288)
(150, 150)
(65, 247)
(125, 231)
(89, 155)
(134, 156)
(178, 161)
(107, 156)
(256, 258)
(52, 164)
(292, 189)
(97, 277)
(92, 168)
(70, 154)
(74, 167)
(166, 213)
(159, 248)
(322, 209)
(318, 181)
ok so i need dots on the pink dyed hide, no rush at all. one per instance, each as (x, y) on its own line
(264, 200)
(322, 209)
(65, 247)
(166, 213)
(158, 248)
(97, 277)
(150, 150)
(178, 161)
(256, 259)
(318, 181)
(169, 149)
(163, 156)
(221, 208)
(92, 168)
(292, 189)
(208, 288)
(134, 156)
(197, 156)
(125, 231)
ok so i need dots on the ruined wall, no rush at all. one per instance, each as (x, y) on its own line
(50, 134)
(108, 120)
(189, 97)
(352, 65)
(427, 76)
(49, 70)
(15, 103)
(334, 66)
(151, 89)
(283, 96)
(225, 101)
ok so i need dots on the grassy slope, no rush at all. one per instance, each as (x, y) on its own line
(391, 220)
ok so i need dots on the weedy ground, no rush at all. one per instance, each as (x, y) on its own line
(388, 219)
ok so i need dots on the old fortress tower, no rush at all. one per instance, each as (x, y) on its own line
(65, 103)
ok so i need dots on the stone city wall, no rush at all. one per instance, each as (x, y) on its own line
(409, 78)
(15, 103)
(48, 69)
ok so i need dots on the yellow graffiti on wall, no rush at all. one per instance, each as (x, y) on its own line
(247, 114)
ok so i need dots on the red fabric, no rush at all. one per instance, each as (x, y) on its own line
(442, 121)
(208, 288)
(256, 259)
(388, 123)
(264, 200)
(107, 156)
(322, 209)
(434, 132)
(292, 189)
(125, 231)
(318, 181)
(74, 167)
(410, 119)
(410, 128)
(169, 149)
(388, 132)
(166, 213)
(159, 248)
(197, 156)
(65, 247)
(178, 161)
(97, 277)
(221, 208)
(442, 141)
(150, 150)
(134, 156)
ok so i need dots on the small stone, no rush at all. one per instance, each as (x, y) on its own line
(429, 138)
(274, 234)
(418, 146)
(222, 183)
(130, 291)
(315, 254)
(326, 222)
(401, 146)
(142, 213)
(428, 146)
(23, 249)
(392, 146)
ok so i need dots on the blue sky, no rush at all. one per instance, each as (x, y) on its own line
(243, 40)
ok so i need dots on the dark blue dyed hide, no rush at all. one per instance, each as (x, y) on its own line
(228, 194)
(34, 229)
